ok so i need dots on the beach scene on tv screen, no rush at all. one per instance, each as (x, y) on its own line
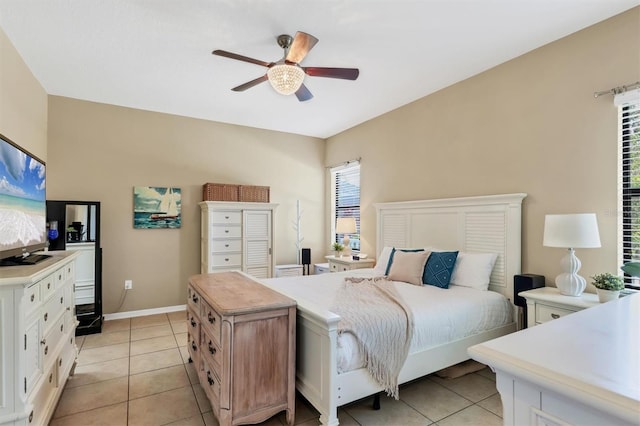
(22, 199)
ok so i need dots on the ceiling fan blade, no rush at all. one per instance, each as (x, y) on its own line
(344, 73)
(302, 44)
(241, 58)
(250, 84)
(303, 94)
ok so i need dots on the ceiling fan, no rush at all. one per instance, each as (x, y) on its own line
(286, 75)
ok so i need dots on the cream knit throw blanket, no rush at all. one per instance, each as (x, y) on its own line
(373, 311)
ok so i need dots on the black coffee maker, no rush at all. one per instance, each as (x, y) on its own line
(75, 231)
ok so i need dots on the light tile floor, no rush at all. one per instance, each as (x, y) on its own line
(136, 372)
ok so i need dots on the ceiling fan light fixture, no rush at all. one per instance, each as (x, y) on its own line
(285, 79)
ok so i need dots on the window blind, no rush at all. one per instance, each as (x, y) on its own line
(629, 108)
(346, 199)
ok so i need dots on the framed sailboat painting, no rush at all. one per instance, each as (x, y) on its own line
(156, 207)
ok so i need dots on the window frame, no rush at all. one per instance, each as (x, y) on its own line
(347, 167)
(629, 129)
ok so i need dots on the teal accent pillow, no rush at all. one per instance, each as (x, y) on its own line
(437, 271)
(393, 250)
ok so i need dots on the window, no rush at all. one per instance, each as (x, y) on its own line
(630, 137)
(345, 199)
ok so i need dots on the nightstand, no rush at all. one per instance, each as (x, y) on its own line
(338, 264)
(288, 270)
(547, 303)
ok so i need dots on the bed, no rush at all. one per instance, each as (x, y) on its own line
(483, 224)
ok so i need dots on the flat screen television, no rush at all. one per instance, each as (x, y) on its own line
(23, 208)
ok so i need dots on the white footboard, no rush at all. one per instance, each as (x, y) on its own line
(316, 369)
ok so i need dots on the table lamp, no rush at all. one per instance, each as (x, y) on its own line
(571, 231)
(346, 226)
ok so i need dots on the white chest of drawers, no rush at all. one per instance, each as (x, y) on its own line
(37, 337)
(237, 236)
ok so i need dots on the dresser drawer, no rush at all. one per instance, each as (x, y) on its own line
(224, 246)
(227, 218)
(47, 286)
(193, 299)
(211, 351)
(226, 260)
(222, 231)
(193, 345)
(210, 382)
(31, 300)
(546, 313)
(60, 277)
(210, 321)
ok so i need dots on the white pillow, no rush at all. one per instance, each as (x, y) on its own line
(408, 266)
(473, 270)
(383, 261)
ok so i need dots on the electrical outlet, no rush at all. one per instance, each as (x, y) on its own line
(128, 284)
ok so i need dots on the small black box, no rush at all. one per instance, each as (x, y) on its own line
(306, 256)
(525, 282)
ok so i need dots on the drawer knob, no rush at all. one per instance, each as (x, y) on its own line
(43, 341)
(226, 245)
(194, 298)
(226, 217)
(193, 346)
(209, 378)
(211, 318)
(193, 323)
(33, 297)
(46, 316)
(60, 362)
(46, 349)
(226, 259)
(31, 416)
(226, 231)
(61, 300)
(48, 286)
(61, 327)
(555, 316)
(211, 348)
(50, 377)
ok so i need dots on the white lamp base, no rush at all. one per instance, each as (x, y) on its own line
(347, 246)
(569, 282)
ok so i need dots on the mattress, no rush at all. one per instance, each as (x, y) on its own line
(441, 315)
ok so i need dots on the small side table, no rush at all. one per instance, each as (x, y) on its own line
(288, 270)
(338, 264)
(547, 303)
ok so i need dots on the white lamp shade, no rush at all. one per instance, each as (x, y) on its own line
(571, 230)
(346, 225)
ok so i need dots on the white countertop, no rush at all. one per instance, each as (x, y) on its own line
(592, 355)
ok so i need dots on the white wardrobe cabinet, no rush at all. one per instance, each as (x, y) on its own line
(237, 236)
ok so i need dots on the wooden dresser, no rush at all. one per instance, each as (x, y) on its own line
(242, 341)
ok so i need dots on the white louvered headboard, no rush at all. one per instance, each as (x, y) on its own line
(485, 224)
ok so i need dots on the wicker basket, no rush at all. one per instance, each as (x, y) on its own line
(220, 192)
(254, 194)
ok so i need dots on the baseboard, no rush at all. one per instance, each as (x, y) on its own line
(144, 312)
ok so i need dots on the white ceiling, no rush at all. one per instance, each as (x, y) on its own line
(156, 54)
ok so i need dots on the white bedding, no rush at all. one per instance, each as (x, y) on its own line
(441, 315)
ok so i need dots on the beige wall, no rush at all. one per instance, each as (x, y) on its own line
(100, 152)
(23, 102)
(530, 125)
